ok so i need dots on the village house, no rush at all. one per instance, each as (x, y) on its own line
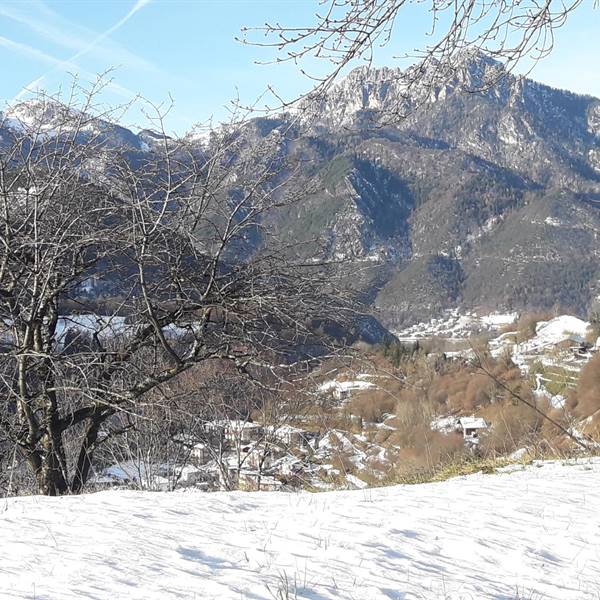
(200, 453)
(290, 436)
(235, 431)
(260, 455)
(189, 475)
(244, 432)
(342, 390)
(471, 427)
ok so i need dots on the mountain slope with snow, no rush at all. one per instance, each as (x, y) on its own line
(528, 533)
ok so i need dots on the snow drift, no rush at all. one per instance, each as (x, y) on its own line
(523, 533)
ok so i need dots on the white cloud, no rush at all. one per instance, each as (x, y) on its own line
(56, 64)
(52, 27)
(28, 51)
(67, 38)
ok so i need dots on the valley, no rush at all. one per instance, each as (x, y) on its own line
(342, 345)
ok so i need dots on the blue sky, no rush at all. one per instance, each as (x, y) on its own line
(187, 49)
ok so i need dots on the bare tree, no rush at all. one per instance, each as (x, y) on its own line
(120, 269)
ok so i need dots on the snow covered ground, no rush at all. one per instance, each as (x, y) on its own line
(548, 334)
(532, 534)
(556, 347)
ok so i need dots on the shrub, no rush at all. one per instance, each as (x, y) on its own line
(514, 425)
(372, 405)
(585, 399)
(527, 323)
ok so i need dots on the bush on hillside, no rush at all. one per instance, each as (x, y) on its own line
(585, 399)
(372, 406)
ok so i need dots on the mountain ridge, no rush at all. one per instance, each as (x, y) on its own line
(475, 198)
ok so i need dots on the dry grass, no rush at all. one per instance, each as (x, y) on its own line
(468, 465)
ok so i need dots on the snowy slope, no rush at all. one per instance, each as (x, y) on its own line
(530, 533)
(553, 332)
(544, 348)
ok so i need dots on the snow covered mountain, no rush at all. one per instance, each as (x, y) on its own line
(47, 117)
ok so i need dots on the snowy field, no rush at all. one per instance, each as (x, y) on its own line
(526, 534)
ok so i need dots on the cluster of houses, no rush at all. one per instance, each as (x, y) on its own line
(241, 454)
(228, 454)
(252, 456)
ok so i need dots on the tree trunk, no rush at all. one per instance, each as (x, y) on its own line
(84, 461)
(50, 478)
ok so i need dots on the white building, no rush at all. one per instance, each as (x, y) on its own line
(471, 427)
(289, 435)
(342, 390)
(200, 453)
(235, 430)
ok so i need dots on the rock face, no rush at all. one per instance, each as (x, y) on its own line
(477, 196)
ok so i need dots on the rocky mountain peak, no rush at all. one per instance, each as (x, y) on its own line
(368, 93)
(38, 113)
